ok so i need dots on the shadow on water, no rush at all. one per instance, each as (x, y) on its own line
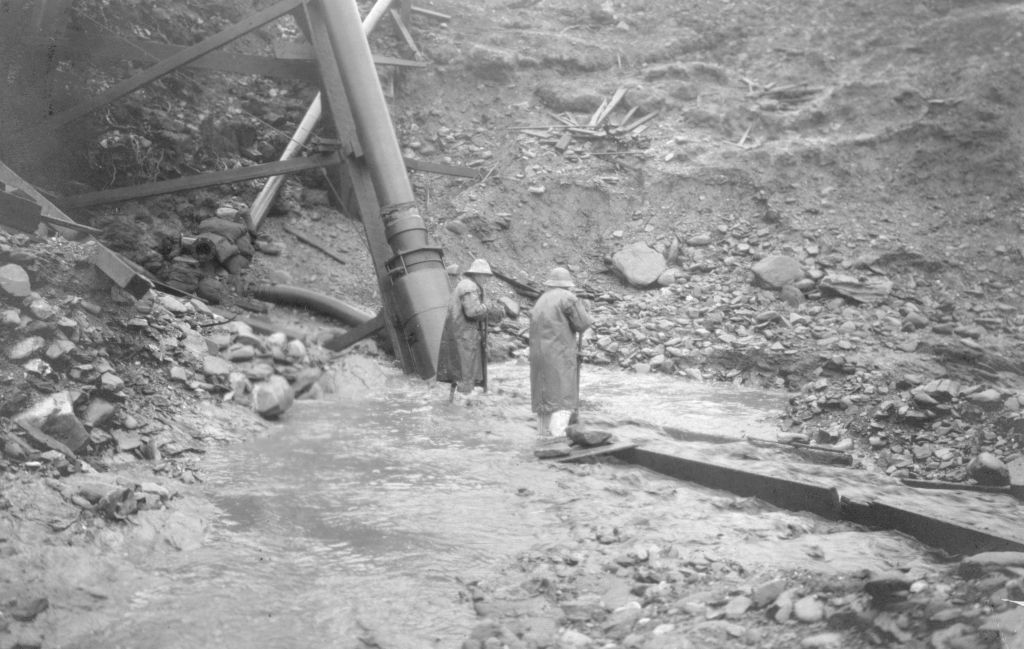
(364, 518)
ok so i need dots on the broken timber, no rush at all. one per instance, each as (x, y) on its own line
(26, 215)
(109, 262)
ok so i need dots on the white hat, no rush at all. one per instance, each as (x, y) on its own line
(479, 267)
(560, 278)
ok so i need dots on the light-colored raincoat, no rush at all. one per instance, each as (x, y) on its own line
(555, 320)
(461, 359)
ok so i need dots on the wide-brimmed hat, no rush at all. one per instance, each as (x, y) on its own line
(479, 267)
(559, 277)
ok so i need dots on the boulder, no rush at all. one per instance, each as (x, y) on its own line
(580, 436)
(99, 412)
(492, 63)
(639, 264)
(215, 366)
(271, 398)
(55, 416)
(866, 290)
(987, 469)
(26, 348)
(776, 271)
(14, 281)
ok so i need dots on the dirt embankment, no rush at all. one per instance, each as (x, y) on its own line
(875, 146)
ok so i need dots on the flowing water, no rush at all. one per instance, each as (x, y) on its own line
(367, 516)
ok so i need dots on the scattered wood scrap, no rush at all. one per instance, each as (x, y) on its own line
(599, 127)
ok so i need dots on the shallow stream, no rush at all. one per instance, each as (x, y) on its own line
(366, 517)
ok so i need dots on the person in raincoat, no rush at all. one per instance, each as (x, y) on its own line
(556, 320)
(462, 358)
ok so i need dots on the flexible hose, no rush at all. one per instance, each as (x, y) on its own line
(323, 304)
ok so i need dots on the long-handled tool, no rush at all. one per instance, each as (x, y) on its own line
(574, 418)
(483, 350)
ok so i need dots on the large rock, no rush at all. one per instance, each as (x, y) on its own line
(987, 469)
(776, 271)
(979, 565)
(14, 281)
(581, 436)
(639, 264)
(492, 63)
(55, 416)
(865, 290)
(271, 398)
(26, 348)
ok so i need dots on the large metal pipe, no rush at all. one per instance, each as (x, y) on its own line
(417, 269)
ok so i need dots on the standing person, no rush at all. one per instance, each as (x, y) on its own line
(556, 320)
(462, 360)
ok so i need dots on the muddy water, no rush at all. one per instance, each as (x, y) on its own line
(364, 519)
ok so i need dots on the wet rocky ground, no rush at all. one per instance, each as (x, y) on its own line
(829, 225)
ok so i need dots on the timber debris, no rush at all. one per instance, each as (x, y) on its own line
(603, 134)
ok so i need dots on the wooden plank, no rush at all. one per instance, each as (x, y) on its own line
(354, 335)
(10, 179)
(626, 128)
(119, 272)
(436, 15)
(26, 215)
(592, 122)
(616, 98)
(628, 116)
(439, 168)
(406, 35)
(103, 47)
(563, 142)
(380, 59)
(199, 180)
(171, 63)
(578, 454)
(310, 241)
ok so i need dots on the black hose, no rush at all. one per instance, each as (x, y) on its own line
(323, 304)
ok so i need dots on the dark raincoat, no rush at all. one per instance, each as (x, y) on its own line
(555, 320)
(461, 359)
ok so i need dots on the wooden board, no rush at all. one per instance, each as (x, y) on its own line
(578, 453)
(197, 181)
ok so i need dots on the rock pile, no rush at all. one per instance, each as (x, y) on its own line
(611, 590)
(78, 368)
(876, 349)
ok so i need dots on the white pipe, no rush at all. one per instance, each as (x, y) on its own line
(261, 206)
